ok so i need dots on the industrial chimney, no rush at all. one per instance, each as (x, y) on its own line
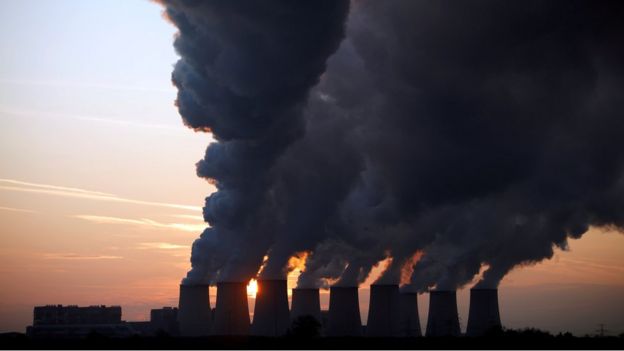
(383, 312)
(232, 312)
(194, 314)
(409, 320)
(483, 315)
(305, 302)
(443, 319)
(271, 316)
(344, 312)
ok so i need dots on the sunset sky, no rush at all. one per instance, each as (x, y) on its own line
(99, 200)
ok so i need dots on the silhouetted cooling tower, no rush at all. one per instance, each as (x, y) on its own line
(305, 302)
(484, 315)
(271, 316)
(443, 319)
(383, 312)
(409, 322)
(232, 313)
(194, 314)
(344, 312)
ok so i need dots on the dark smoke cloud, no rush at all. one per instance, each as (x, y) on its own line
(491, 130)
(502, 120)
(481, 134)
(311, 184)
(245, 72)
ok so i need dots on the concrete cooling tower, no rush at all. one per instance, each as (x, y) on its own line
(383, 312)
(344, 312)
(271, 316)
(409, 320)
(483, 315)
(305, 302)
(443, 319)
(232, 312)
(194, 313)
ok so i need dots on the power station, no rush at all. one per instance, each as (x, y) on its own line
(391, 313)
(483, 316)
(344, 312)
(232, 311)
(409, 318)
(443, 319)
(384, 311)
(271, 315)
(305, 302)
(194, 314)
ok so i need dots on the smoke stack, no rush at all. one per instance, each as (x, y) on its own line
(443, 319)
(483, 315)
(194, 313)
(271, 316)
(383, 312)
(232, 312)
(344, 312)
(409, 324)
(305, 302)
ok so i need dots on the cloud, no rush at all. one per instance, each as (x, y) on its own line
(82, 85)
(53, 187)
(98, 119)
(187, 227)
(75, 256)
(16, 185)
(184, 216)
(162, 246)
(16, 210)
(246, 84)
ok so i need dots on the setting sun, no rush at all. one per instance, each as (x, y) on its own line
(252, 288)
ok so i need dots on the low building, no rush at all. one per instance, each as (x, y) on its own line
(77, 322)
(165, 320)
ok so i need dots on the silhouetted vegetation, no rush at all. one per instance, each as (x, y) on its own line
(305, 327)
(507, 339)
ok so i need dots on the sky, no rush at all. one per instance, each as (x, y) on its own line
(99, 198)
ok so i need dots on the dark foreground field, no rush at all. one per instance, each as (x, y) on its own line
(505, 340)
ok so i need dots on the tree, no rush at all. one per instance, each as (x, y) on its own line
(305, 327)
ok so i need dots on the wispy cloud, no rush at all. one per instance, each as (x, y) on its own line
(199, 217)
(187, 227)
(98, 119)
(16, 210)
(82, 85)
(16, 185)
(53, 187)
(128, 123)
(75, 256)
(603, 266)
(162, 246)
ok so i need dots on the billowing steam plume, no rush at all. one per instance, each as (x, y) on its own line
(448, 136)
(245, 72)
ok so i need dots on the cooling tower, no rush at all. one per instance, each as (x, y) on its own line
(232, 312)
(344, 312)
(443, 319)
(383, 312)
(305, 302)
(194, 314)
(483, 315)
(271, 316)
(409, 321)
